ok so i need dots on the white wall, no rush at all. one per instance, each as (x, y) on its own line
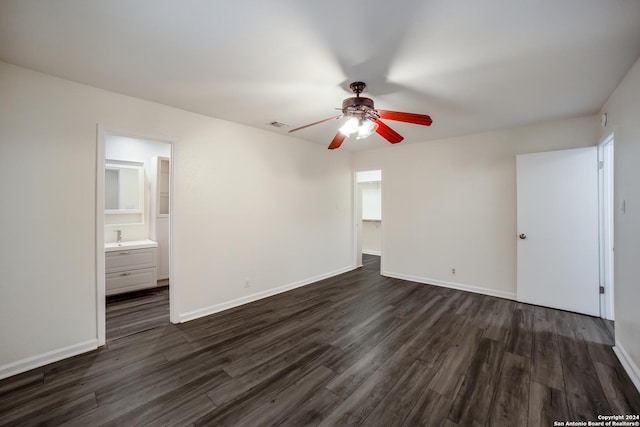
(452, 203)
(248, 203)
(134, 150)
(623, 110)
(371, 200)
(372, 237)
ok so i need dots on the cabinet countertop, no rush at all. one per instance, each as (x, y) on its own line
(138, 244)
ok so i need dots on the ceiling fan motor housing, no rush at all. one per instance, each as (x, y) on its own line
(357, 107)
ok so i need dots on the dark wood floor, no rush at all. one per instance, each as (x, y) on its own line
(357, 349)
(371, 263)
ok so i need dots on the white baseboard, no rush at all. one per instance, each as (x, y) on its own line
(377, 253)
(33, 362)
(195, 314)
(628, 364)
(452, 285)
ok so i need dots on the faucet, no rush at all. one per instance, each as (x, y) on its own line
(119, 236)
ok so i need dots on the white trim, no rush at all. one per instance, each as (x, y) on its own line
(206, 311)
(452, 285)
(627, 363)
(40, 360)
(101, 309)
(173, 288)
(377, 253)
(356, 237)
(606, 229)
(113, 131)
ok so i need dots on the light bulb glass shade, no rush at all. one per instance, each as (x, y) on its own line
(349, 127)
(366, 128)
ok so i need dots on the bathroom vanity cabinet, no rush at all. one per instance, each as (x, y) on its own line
(130, 269)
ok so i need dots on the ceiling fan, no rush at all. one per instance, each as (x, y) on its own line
(364, 119)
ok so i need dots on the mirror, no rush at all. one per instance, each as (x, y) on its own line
(123, 192)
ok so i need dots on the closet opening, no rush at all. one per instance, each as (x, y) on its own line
(368, 220)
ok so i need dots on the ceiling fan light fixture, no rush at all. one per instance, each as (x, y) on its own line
(350, 126)
(366, 129)
(362, 128)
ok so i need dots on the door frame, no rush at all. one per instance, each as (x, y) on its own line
(357, 218)
(606, 213)
(101, 143)
(357, 222)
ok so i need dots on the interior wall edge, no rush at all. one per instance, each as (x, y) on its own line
(452, 285)
(217, 308)
(628, 364)
(39, 360)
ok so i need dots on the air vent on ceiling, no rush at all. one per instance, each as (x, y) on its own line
(277, 124)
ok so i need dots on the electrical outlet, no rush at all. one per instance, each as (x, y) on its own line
(247, 283)
(453, 271)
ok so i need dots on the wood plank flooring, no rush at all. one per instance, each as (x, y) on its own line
(357, 349)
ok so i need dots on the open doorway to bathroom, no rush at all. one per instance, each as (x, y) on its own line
(369, 220)
(133, 233)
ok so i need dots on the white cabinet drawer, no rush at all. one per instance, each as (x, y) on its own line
(131, 280)
(128, 259)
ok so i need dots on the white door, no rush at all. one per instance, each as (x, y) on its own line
(558, 264)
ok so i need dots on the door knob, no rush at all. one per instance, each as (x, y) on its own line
(522, 236)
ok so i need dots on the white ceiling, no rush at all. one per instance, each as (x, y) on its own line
(472, 65)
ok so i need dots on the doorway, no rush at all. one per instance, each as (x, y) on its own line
(368, 218)
(606, 214)
(133, 240)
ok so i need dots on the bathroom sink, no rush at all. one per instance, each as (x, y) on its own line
(138, 244)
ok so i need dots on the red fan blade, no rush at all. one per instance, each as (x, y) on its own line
(337, 141)
(387, 133)
(316, 123)
(418, 119)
